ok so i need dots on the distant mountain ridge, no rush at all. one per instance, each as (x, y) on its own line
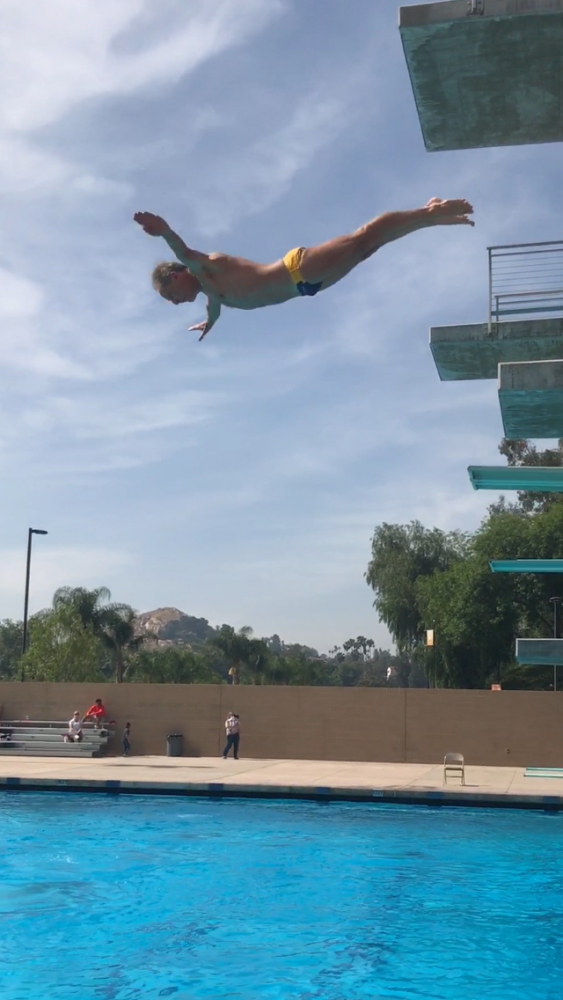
(173, 627)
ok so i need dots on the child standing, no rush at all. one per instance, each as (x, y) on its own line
(126, 740)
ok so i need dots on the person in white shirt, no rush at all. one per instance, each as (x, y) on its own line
(74, 734)
(232, 729)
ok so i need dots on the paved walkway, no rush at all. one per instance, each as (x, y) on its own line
(422, 783)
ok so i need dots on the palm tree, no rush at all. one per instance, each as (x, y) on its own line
(235, 646)
(119, 635)
(90, 605)
(259, 661)
(113, 624)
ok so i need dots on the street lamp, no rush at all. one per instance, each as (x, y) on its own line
(555, 601)
(31, 531)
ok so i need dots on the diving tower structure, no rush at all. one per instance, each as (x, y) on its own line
(526, 565)
(485, 72)
(524, 478)
(521, 342)
(540, 652)
(524, 315)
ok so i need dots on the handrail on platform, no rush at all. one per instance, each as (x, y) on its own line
(525, 279)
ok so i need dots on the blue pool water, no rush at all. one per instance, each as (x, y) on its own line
(126, 897)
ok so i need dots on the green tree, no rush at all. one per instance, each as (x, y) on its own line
(474, 617)
(61, 648)
(11, 638)
(170, 665)
(112, 623)
(401, 555)
(235, 646)
(523, 453)
(119, 636)
(257, 666)
(91, 606)
(478, 615)
(304, 670)
(359, 648)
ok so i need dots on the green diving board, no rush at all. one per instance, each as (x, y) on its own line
(526, 565)
(531, 399)
(543, 652)
(471, 350)
(485, 72)
(536, 479)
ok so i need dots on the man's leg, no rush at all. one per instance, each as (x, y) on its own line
(331, 261)
(236, 741)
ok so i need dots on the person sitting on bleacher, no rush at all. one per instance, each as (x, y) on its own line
(97, 713)
(74, 734)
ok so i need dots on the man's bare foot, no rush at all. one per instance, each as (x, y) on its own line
(450, 212)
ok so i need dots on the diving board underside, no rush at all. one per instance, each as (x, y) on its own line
(469, 351)
(536, 479)
(531, 399)
(526, 565)
(543, 652)
(488, 78)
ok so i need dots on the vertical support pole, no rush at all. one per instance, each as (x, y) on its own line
(555, 603)
(26, 601)
(490, 289)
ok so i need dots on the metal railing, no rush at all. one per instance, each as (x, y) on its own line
(525, 279)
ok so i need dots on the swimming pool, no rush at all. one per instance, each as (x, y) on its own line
(119, 897)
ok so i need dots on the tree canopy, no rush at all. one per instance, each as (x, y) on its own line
(402, 554)
(85, 636)
(428, 580)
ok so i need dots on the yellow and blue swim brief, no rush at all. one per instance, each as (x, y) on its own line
(292, 261)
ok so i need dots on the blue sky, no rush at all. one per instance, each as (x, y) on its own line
(239, 479)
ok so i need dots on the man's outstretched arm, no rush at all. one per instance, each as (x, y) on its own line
(154, 225)
(213, 313)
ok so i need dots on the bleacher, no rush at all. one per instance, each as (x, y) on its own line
(32, 738)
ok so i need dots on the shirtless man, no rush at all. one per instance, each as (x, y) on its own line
(243, 284)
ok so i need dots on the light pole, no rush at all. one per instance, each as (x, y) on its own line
(31, 531)
(555, 601)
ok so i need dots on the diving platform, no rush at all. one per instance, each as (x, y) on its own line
(526, 565)
(541, 652)
(525, 314)
(532, 478)
(531, 399)
(475, 350)
(485, 72)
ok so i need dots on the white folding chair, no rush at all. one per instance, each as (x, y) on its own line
(454, 764)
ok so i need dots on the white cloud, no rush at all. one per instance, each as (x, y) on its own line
(274, 448)
(249, 180)
(51, 59)
(19, 296)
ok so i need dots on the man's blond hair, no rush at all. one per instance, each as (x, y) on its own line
(163, 271)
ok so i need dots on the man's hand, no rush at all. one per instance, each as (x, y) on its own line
(152, 224)
(213, 313)
(204, 327)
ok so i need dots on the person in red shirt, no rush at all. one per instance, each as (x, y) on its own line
(97, 713)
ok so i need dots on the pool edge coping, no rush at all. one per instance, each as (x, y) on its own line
(435, 797)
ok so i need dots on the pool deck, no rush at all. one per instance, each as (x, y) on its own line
(300, 779)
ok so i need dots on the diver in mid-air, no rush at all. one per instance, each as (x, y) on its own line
(244, 284)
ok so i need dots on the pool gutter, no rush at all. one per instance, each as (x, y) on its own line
(452, 796)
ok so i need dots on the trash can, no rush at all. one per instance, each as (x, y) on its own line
(174, 745)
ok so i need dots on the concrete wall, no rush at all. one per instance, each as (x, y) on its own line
(417, 726)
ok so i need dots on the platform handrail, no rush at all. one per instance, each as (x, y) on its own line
(525, 279)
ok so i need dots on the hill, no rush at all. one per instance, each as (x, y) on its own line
(173, 627)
